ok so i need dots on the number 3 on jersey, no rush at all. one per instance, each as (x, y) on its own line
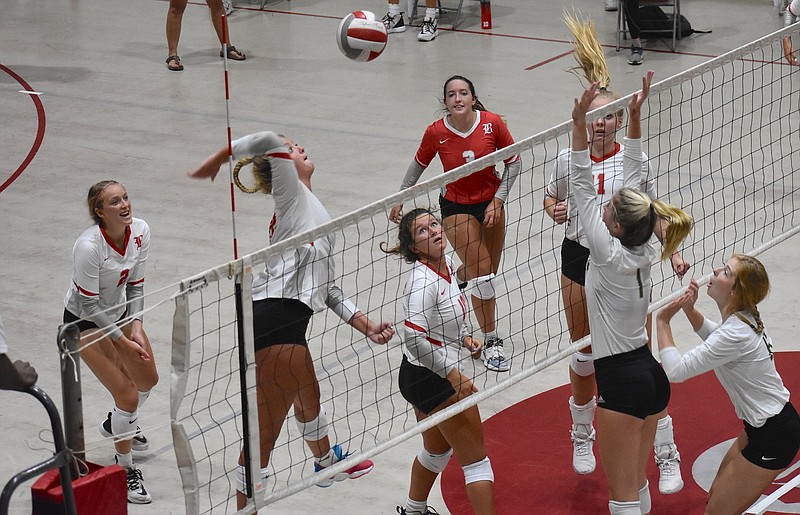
(468, 156)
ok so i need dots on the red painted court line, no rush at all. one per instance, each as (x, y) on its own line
(37, 142)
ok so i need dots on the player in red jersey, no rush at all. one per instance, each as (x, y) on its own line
(472, 207)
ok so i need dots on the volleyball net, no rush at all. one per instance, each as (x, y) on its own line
(719, 139)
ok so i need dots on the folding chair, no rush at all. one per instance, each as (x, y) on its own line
(440, 9)
(622, 22)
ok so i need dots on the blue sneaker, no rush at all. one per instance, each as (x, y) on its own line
(354, 472)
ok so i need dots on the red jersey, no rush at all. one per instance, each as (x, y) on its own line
(455, 148)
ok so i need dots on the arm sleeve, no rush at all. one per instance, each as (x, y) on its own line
(340, 304)
(509, 177)
(558, 186)
(720, 347)
(86, 277)
(91, 306)
(632, 161)
(708, 327)
(429, 354)
(597, 235)
(413, 174)
(648, 179)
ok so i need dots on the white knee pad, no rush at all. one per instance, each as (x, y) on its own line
(434, 462)
(582, 363)
(644, 498)
(624, 508)
(258, 483)
(478, 471)
(316, 429)
(794, 7)
(482, 286)
(123, 423)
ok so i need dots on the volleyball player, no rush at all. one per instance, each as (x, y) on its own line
(632, 387)
(472, 207)
(434, 333)
(292, 286)
(107, 290)
(607, 171)
(790, 16)
(739, 352)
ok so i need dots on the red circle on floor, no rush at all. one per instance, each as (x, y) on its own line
(531, 453)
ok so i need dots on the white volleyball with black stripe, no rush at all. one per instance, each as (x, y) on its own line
(361, 37)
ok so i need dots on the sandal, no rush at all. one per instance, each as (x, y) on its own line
(174, 63)
(234, 54)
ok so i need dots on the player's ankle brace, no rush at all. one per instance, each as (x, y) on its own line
(624, 508)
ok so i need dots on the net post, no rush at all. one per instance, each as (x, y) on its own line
(248, 472)
(68, 337)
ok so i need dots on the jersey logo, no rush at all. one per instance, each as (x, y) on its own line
(138, 241)
(487, 128)
(443, 141)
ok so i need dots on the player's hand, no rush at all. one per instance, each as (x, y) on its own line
(210, 167)
(639, 97)
(396, 214)
(461, 384)
(27, 374)
(560, 212)
(582, 104)
(380, 333)
(132, 348)
(690, 296)
(493, 213)
(679, 265)
(473, 346)
(788, 53)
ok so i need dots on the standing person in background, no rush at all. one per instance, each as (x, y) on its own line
(633, 389)
(430, 379)
(174, 20)
(633, 15)
(607, 158)
(292, 286)
(105, 301)
(472, 207)
(739, 352)
(393, 21)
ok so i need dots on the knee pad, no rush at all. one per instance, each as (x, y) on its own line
(316, 429)
(258, 483)
(478, 471)
(624, 508)
(582, 363)
(123, 424)
(434, 462)
(483, 288)
(794, 7)
(644, 498)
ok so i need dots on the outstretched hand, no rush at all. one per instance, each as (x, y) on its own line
(380, 332)
(639, 97)
(582, 104)
(685, 301)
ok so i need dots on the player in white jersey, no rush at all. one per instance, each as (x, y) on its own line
(472, 207)
(436, 338)
(18, 375)
(632, 387)
(559, 203)
(105, 300)
(286, 293)
(740, 353)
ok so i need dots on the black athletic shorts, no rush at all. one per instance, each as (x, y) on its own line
(450, 208)
(83, 325)
(422, 388)
(277, 321)
(632, 383)
(774, 445)
(574, 260)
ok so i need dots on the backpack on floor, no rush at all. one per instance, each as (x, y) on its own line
(652, 18)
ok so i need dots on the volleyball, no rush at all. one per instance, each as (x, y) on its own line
(361, 37)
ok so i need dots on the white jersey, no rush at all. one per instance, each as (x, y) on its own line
(618, 277)
(743, 362)
(3, 342)
(608, 177)
(101, 273)
(436, 319)
(304, 273)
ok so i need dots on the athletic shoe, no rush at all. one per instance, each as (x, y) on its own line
(611, 5)
(493, 355)
(139, 442)
(394, 23)
(428, 511)
(429, 30)
(636, 56)
(228, 6)
(354, 472)
(668, 460)
(137, 494)
(583, 461)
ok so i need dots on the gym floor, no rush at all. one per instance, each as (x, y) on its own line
(109, 108)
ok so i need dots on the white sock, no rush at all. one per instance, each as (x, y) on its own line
(490, 334)
(125, 460)
(430, 12)
(327, 460)
(413, 506)
(394, 10)
(143, 396)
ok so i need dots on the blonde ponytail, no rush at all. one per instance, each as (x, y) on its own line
(679, 225)
(262, 173)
